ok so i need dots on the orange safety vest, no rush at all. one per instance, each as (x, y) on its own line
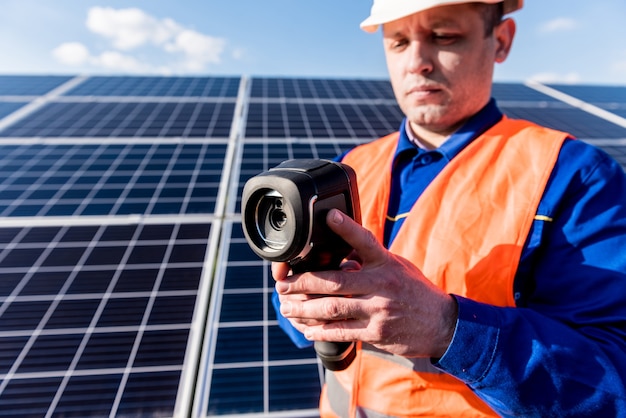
(466, 234)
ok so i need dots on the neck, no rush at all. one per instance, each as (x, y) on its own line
(430, 139)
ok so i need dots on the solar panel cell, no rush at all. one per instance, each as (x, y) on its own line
(22, 315)
(28, 397)
(107, 350)
(163, 347)
(72, 314)
(149, 393)
(10, 348)
(293, 387)
(96, 391)
(236, 391)
(50, 353)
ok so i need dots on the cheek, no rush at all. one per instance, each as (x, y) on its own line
(394, 68)
(452, 66)
(396, 77)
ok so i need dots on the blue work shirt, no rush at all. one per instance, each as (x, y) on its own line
(562, 350)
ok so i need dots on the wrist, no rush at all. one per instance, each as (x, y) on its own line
(449, 318)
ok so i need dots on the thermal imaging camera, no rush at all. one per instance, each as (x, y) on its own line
(284, 220)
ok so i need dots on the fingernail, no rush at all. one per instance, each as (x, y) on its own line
(285, 308)
(337, 217)
(308, 334)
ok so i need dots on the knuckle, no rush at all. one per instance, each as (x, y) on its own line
(370, 240)
(341, 334)
(333, 310)
(332, 285)
(383, 333)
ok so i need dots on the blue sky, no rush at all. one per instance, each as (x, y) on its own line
(568, 41)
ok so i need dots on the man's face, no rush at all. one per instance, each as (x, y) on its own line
(441, 66)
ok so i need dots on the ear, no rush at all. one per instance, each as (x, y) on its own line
(504, 34)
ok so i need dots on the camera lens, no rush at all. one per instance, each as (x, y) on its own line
(272, 221)
(278, 218)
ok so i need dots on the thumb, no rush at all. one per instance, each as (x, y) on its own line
(359, 238)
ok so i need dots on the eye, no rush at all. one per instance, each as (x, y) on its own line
(398, 44)
(445, 38)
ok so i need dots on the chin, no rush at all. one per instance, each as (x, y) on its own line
(427, 116)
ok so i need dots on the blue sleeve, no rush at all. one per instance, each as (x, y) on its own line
(296, 336)
(563, 353)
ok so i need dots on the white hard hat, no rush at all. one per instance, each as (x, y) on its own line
(384, 11)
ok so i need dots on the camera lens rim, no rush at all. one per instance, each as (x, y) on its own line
(272, 214)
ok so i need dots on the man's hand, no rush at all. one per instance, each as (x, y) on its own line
(376, 297)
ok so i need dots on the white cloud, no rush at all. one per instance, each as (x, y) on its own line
(75, 54)
(198, 49)
(130, 28)
(117, 61)
(569, 78)
(71, 53)
(164, 45)
(560, 24)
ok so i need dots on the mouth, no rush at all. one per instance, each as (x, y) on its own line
(423, 92)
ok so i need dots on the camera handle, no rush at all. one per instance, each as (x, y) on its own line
(335, 356)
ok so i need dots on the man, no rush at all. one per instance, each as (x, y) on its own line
(488, 277)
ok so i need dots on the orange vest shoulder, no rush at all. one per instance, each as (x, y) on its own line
(471, 222)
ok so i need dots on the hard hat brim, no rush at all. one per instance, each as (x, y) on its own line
(382, 12)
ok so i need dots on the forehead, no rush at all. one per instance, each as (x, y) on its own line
(459, 16)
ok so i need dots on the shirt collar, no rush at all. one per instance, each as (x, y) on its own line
(474, 127)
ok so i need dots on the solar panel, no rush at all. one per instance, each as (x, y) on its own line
(560, 116)
(126, 119)
(126, 285)
(108, 307)
(597, 95)
(6, 108)
(320, 89)
(158, 86)
(515, 93)
(321, 120)
(16, 85)
(110, 179)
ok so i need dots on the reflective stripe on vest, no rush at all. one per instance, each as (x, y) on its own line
(466, 233)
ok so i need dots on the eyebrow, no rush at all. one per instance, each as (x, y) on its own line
(438, 23)
(433, 24)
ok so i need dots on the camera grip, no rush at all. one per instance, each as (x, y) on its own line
(335, 356)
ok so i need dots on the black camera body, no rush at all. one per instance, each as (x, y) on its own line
(284, 219)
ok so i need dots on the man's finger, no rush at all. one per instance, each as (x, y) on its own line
(280, 271)
(323, 309)
(340, 331)
(359, 238)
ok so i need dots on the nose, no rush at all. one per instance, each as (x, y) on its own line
(420, 59)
